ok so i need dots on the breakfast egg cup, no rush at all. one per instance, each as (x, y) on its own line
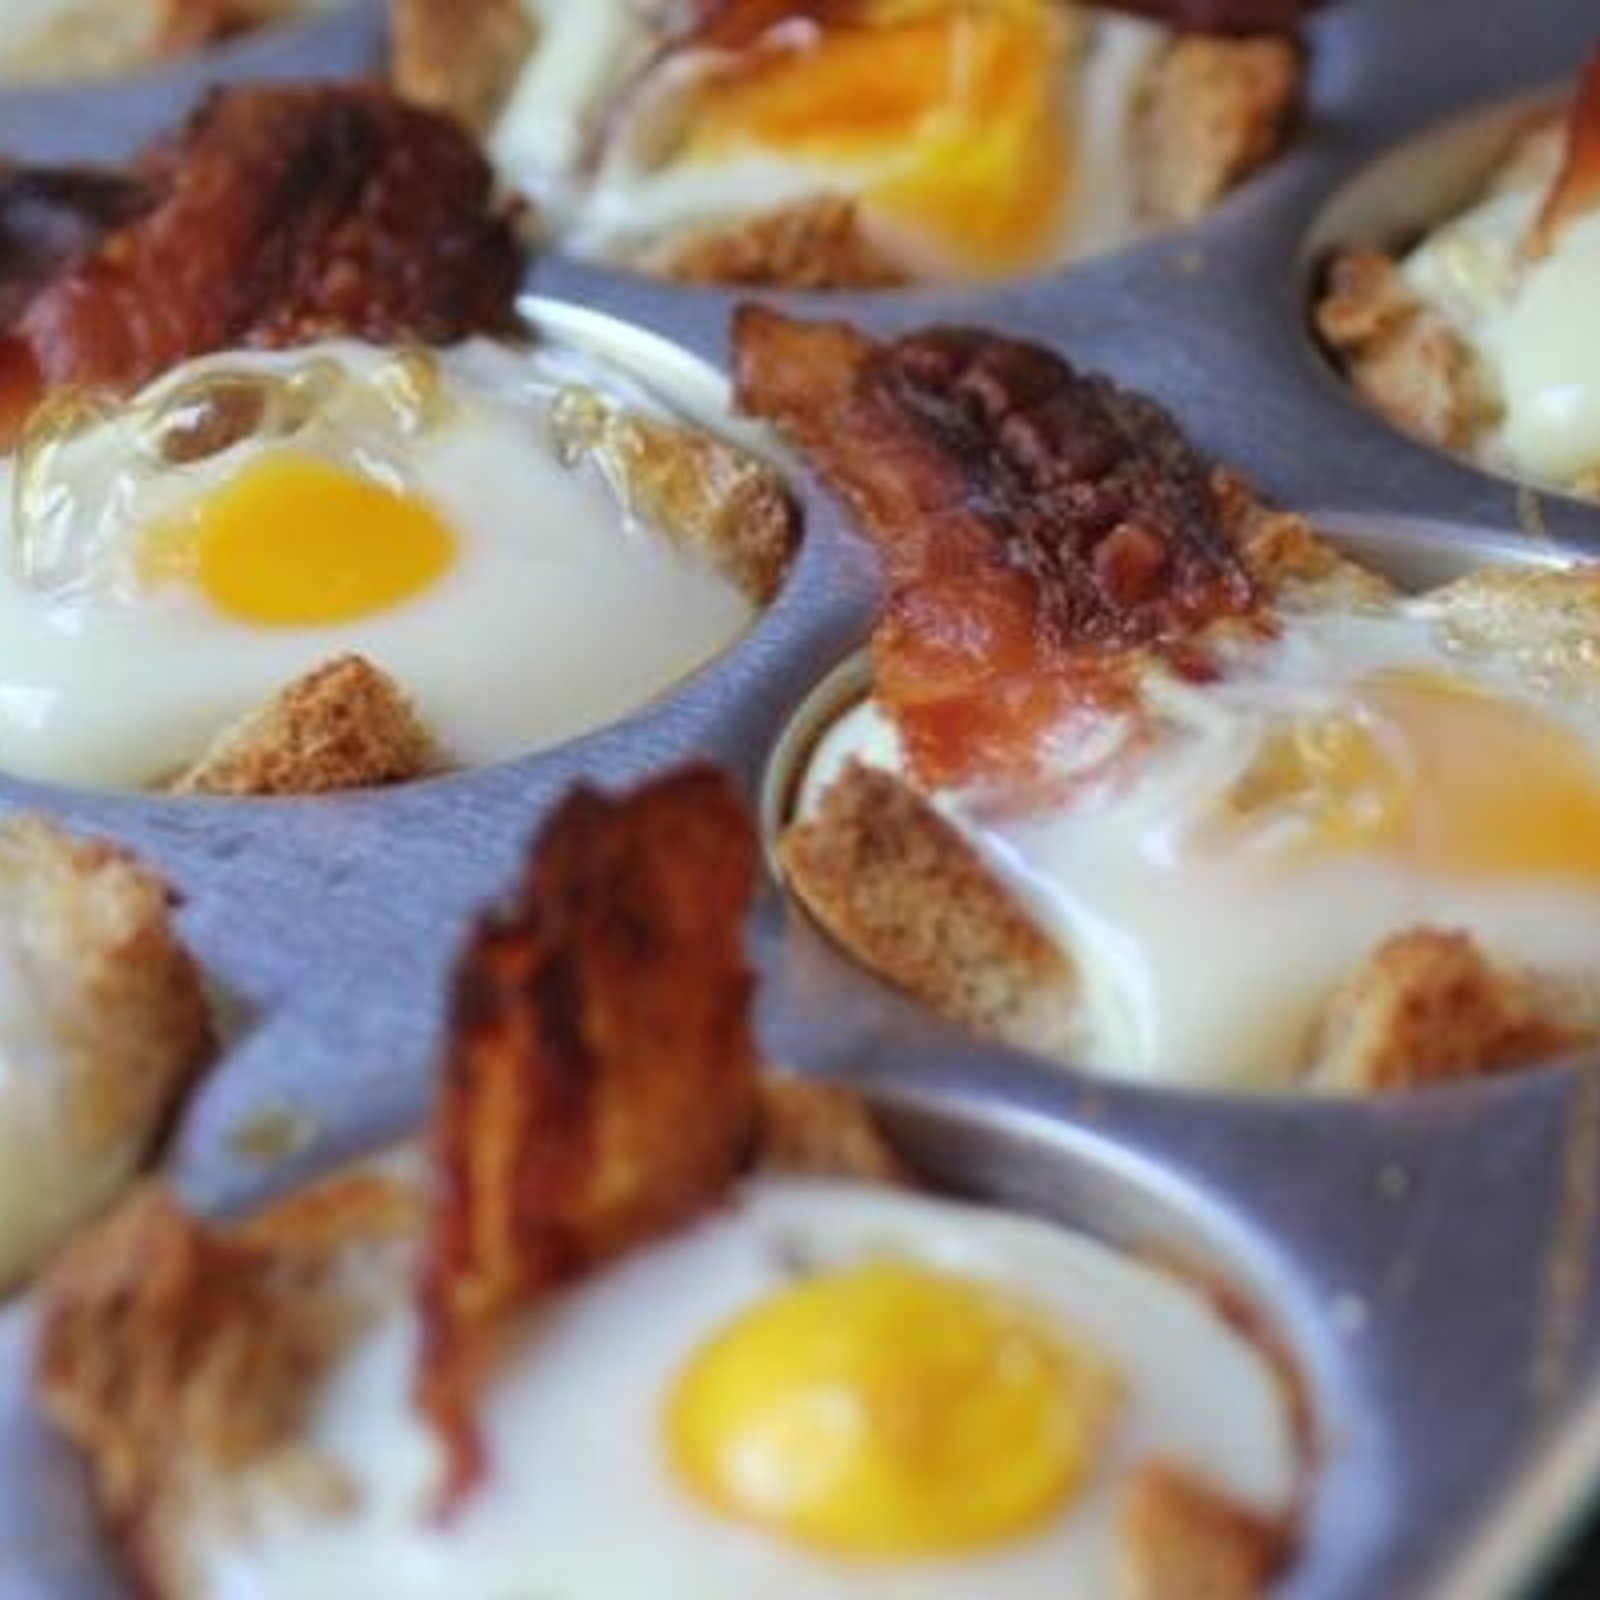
(1451, 276)
(737, 145)
(1427, 1259)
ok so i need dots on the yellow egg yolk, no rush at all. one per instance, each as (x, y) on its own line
(952, 119)
(1449, 775)
(891, 1411)
(295, 541)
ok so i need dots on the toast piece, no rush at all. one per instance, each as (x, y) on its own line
(110, 1027)
(1405, 359)
(343, 725)
(1211, 113)
(1429, 1007)
(1178, 1539)
(816, 243)
(900, 888)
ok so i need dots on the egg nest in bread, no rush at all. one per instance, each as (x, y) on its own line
(628, 1275)
(856, 143)
(1150, 778)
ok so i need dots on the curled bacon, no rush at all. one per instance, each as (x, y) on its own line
(600, 1085)
(1038, 527)
(280, 215)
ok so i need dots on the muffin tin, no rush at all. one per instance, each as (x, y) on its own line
(1429, 1260)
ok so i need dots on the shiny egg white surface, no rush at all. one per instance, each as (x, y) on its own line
(1217, 871)
(175, 562)
(825, 1390)
(1527, 317)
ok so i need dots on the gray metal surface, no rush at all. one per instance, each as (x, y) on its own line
(1430, 1259)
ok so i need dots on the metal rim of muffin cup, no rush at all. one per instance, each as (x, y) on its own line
(286, 890)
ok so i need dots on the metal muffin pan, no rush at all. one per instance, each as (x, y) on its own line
(1428, 1259)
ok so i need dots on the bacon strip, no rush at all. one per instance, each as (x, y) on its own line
(1038, 528)
(1577, 187)
(280, 215)
(600, 1086)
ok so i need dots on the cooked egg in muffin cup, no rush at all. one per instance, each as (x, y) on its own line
(825, 1390)
(525, 539)
(852, 145)
(1481, 336)
(1220, 873)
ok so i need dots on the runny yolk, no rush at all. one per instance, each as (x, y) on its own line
(891, 1411)
(295, 541)
(1451, 776)
(950, 116)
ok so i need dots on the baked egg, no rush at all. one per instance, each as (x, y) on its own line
(1524, 318)
(177, 560)
(825, 1389)
(1218, 860)
(975, 138)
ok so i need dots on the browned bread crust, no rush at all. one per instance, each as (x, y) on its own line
(278, 217)
(1178, 1539)
(1212, 112)
(907, 896)
(1402, 356)
(459, 57)
(817, 243)
(1429, 1007)
(343, 725)
(120, 1000)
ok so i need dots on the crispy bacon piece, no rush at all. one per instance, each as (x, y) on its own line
(1038, 528)
(600, 1086)
(1577, 187)
(281, 215)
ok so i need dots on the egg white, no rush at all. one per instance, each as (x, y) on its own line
(1529, 324)
(1209, 967)
(579, 1503)
(558, 614)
